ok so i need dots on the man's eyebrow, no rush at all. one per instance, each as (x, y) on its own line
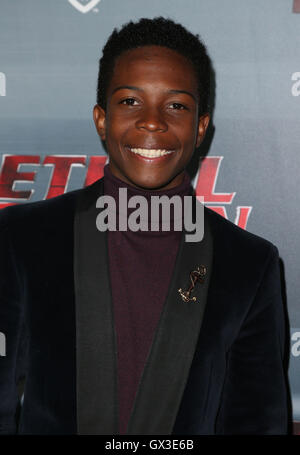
(130, 87)
(183, 91)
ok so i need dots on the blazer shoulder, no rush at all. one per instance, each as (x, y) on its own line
(238, 241)
(19, 213)
(59, 208)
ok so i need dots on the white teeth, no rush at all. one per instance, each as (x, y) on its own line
(151, 153)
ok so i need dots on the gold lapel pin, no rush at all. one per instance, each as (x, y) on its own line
(195, 275)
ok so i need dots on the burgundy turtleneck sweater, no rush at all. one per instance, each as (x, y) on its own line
(140, 266)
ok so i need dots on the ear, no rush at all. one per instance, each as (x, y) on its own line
(99, 119)
(202, 127)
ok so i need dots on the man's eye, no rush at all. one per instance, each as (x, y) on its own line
(177, 106)
(129, 101)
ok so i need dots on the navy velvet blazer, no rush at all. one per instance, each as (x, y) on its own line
(215, 366)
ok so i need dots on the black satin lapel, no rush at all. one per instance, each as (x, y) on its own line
(168, 364)
(95, 335)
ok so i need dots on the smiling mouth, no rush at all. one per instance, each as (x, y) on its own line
(151, 153)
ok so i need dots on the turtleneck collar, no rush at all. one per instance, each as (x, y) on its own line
(112, 184)
(116, 183)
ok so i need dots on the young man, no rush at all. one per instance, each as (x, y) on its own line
(140, 332)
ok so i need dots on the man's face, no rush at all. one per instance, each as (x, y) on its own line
(152, 109)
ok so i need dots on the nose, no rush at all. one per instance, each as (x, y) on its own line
(152, 120)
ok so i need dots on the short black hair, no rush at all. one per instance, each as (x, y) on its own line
(156, 32)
